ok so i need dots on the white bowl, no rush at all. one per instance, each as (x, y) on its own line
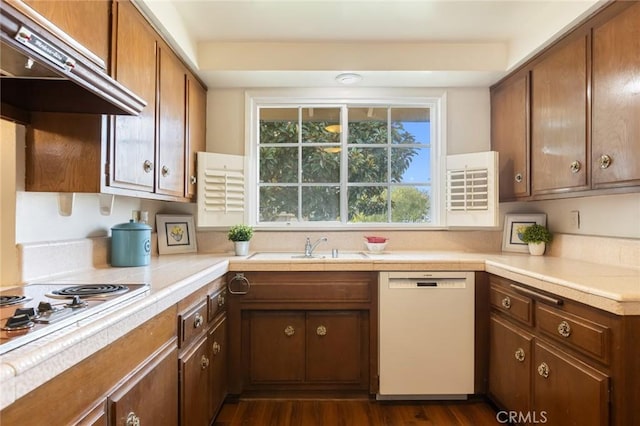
(375, 247)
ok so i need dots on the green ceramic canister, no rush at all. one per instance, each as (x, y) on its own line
(130, 244)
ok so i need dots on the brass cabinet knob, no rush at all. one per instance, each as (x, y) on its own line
(564, 329)
(605, 161)
(289, 331)
(543, 370)
(193, 180)
(221, 300)
(132, 419)
(216, 348)
(204, 362)
(147, 166)
(575, 166)
(198, 321)
(165, 171)
(520, 355)
(506, 302)
(321, 330)
(518, 177)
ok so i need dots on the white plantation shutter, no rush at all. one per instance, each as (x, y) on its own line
(472, 189)
(221, 189)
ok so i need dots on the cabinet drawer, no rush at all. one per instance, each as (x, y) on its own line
(192, 323)
(216, 303)
(514, 305)
(576, 332)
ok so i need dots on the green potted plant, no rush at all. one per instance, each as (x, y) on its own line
(537, 237)
(240, 235)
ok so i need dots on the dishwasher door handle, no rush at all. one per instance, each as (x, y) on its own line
(426, 284)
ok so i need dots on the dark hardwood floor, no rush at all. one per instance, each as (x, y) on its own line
(280, 412)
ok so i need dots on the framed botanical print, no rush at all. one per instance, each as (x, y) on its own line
(514, 225)
(176, 234)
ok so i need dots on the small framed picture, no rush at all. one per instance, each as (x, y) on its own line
(514, 225)
(176, 233)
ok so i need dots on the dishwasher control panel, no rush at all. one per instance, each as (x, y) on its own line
(427, 283)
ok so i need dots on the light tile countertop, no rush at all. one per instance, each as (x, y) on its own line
(172, 278)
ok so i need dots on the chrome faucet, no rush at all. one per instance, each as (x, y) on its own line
(308, 247)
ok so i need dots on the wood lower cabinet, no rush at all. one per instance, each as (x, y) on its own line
(311, 347)
(560, 360)
(150, 395)
(301, 331)
(203, 358)
(567, 390)
(511, 350)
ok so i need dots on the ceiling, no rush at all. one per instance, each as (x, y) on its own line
(265, 36)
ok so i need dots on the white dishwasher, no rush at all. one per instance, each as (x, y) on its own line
(426, 329)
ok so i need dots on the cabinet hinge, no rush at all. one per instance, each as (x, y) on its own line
(106, 169)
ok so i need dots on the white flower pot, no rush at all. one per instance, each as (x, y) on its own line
(537, 249)
(241, 247)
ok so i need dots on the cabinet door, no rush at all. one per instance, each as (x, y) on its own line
(559, 120)
(218, 379)
(510, 358)
(196, 131)
(85, 21)
(171, 125)
(132, 147)
(568, 391)
(277, 347)
(195, 365)
(510, 136)
(616, 100)
(150, 395)
(335, 348)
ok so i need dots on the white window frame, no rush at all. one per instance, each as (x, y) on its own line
(328, 98)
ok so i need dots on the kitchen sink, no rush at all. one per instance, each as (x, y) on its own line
(274, 255)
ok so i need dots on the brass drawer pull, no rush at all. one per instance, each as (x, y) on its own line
(543, 370)
(564, 329)
(198, 321)
(204, 362)
(575, 166)
(321, 330)
(216, 348)
(605, 161)
(520, 355)
(221, 300)
(518, 177)
(506, 302)
(132, 419)
(289, 331)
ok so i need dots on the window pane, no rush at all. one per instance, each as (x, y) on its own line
(410, 126)
(410, 165)
(320, 165)
(410, 204)
(368, 165)
(278, 204)
(321, 203)
(368, 126)
(278, 165)
(367, 204)
(278, 125)
(321, 125)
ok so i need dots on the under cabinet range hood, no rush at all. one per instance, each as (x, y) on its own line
(44, 69)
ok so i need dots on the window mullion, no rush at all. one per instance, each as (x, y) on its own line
(300, 163)
(344, 166)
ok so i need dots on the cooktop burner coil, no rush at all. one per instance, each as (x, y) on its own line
(13, 300)
(91, 290)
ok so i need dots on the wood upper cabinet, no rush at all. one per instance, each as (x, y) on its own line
(196, 131)
(87, 22)
(510, 135)
(559, 154)
(616, 100)
(171, 124)
(132, 142)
